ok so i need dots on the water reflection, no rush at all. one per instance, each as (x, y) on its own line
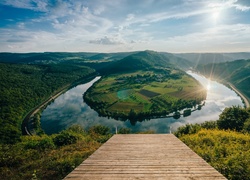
(69, 109)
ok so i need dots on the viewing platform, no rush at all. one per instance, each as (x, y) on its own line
(144, 156)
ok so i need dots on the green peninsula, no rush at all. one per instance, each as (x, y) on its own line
(149, 87)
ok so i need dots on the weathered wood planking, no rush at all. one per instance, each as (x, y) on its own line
(144, 156)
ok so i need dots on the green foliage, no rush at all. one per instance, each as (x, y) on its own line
(23, 87)
(100, 133)
(65, 138)
(38, 143)
(233, 118)
(124, 131)
(49, 157)
(194, 128)
(77, 129)
(100, 130)
(226, 151)
(246, 127)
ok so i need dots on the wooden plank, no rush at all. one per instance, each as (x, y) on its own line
(144, 156)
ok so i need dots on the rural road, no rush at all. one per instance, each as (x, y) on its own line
(240, 94)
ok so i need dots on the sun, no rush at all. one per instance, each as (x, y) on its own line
(208, 86)
(216, 15)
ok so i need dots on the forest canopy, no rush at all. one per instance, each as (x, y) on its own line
(24, 86)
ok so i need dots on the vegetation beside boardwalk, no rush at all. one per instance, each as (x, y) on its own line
(224, 144)
(50, 157)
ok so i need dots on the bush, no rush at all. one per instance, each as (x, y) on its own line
(246, 127)
(226, 151)
(124, 131)
(77, 129)
(233, 118)
(100, 133)
(188, 129)
(65, 138)
(100, 130)
(38, 143)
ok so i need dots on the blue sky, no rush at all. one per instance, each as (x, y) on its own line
(125, 25)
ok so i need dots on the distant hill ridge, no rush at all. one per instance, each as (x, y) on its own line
(207, 58)
(236, 72)
(147, 60)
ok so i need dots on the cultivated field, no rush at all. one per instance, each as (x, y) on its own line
(145, 92)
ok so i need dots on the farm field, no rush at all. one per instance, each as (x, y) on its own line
(144, 93)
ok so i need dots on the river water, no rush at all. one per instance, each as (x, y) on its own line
(69, 108)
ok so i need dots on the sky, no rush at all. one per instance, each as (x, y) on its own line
(175, 26)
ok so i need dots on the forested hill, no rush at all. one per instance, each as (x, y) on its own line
(207, 58)
(235, 72)
(23, 87)
(146, 60)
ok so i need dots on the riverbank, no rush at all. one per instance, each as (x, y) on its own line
(244, 98)
(26, 130)
(82, 114)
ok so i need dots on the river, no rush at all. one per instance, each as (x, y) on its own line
(69, 108)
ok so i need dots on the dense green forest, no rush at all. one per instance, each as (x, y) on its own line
(235, 72)
(23, 87)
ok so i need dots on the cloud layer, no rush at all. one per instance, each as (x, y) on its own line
(105, 26)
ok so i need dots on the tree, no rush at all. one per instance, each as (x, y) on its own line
(246, 127)
(232, 118)
(124, 131)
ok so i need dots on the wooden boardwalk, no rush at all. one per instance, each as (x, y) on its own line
(144, 156)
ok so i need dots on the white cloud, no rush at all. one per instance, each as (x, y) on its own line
(130, 17)
(216, 39)
(242, 5)
(116, 40)
(36, 5)
(132, 24)
(99, 10)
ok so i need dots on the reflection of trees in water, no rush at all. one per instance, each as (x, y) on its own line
(134, 117)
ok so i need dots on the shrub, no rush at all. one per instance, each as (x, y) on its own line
(233, 118)
(65, 138)
(100, 133)
(38, 143)
(99, 129)
(124, 131)
(77, 129)
(246, 126)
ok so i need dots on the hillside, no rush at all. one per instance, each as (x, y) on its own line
(207, 58)
(23, 87)
(235, 72)
(146, 60)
